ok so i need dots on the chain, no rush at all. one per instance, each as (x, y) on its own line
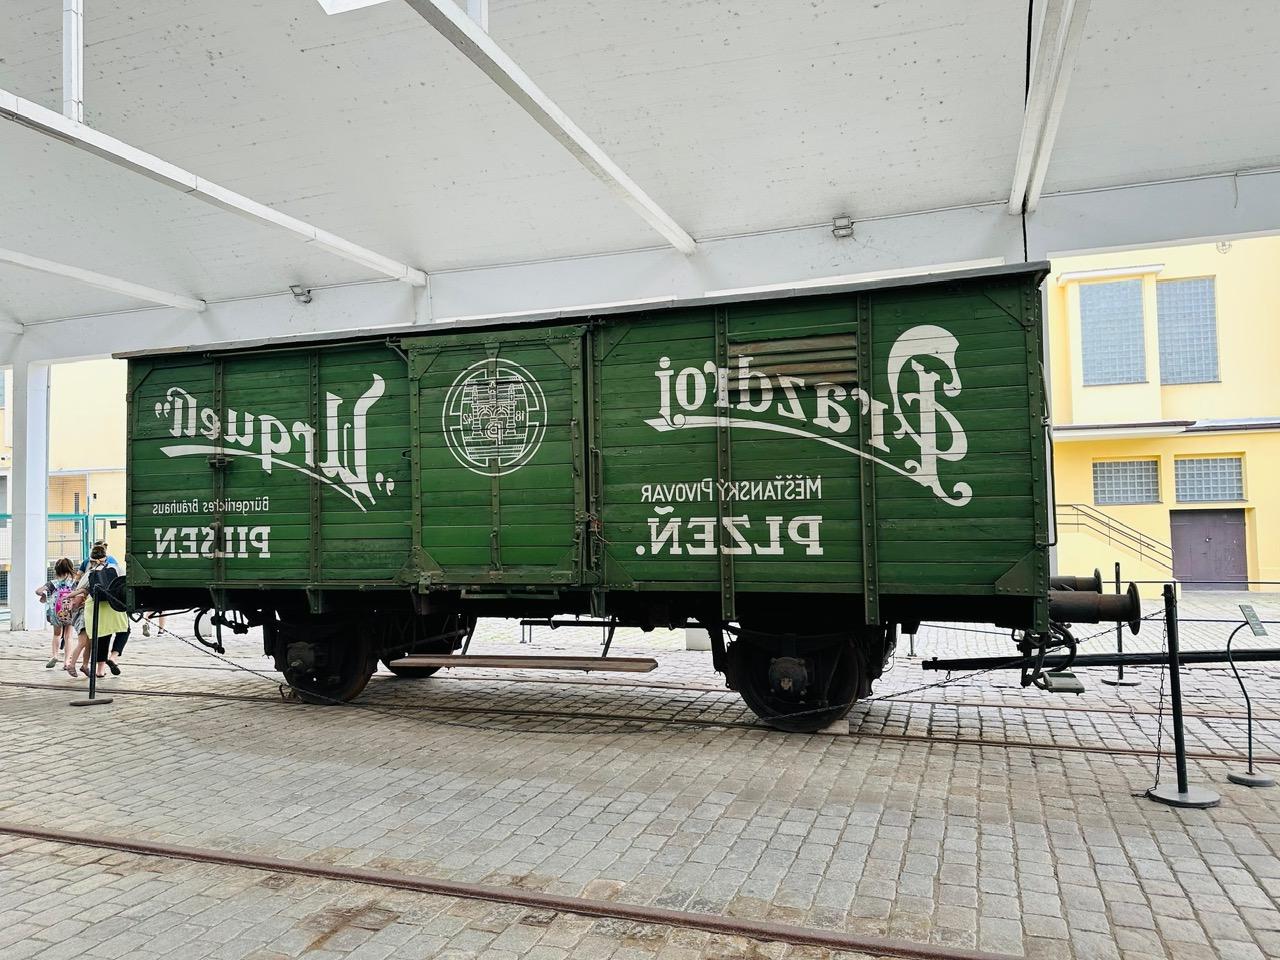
(1164, 648)
(209, 651)
(948, 627)
(969, 676)
(945, 682)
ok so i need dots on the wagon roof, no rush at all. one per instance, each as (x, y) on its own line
(590, 311)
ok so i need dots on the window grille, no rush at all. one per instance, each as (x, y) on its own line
(1111, 333)
(1126, 481)
(1186, 311)
(1208, 479)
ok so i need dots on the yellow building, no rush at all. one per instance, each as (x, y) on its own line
(86, 450)
(1166, 412)
(87, 437)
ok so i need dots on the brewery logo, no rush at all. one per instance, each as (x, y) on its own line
(922, 374)
(494, 417)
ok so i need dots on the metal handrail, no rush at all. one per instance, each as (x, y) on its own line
(1113, 522)
(1114, 531)
(1147, 549)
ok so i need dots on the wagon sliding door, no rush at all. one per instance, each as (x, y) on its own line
(500, 468)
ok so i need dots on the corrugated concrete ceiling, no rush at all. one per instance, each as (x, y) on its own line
(734, 115)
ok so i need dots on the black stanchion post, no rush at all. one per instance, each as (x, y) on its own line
(1185, 795)
(93, 700)
(1250, 778)
(1119, 680)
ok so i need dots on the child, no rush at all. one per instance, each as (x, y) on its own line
(56, 596)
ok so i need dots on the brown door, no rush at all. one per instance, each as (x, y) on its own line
(1208, 546)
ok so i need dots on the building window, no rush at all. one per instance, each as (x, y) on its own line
(1126, 481)
(1208, 479)
(1186, 311)
(1111, 333)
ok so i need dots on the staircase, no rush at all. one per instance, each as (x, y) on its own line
(1077, 517)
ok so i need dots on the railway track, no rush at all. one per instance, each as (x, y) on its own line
(604, 682)
(761, 930)
(414, 710)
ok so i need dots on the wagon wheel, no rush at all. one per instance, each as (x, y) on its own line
(801, 692)
(339, 675)
(430, 629)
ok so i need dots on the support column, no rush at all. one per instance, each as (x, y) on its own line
(29, 527)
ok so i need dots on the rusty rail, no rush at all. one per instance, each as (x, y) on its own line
(765, 930)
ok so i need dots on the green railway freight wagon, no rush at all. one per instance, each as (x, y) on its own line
(802, 473)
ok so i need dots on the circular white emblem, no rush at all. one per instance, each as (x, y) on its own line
(494, 417)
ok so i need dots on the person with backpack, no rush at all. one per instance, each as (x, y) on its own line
(111, 561)
(110, 620)
(56, 596)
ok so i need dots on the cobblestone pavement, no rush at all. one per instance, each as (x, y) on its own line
(655, 789)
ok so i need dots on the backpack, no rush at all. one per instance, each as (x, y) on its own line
(61, 605)
(111, 587)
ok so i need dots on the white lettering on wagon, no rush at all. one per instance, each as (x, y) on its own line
(190, 543)
(697, 536)
(781, 487)
(736, 535)
(341, 462)
(197, 505)
(918, 413)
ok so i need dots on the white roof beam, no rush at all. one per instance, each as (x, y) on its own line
(1037, 102)
(51, 124)
(103, 282)
(1072, 35)
(342, 6)
(477, 46)
(1061, 29)
(477, 10)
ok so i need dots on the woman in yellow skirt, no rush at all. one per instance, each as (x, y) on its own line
(110, 620)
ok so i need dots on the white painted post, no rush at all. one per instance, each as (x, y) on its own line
(478, 10)
(73, 59)
(695, 638)
(30, 494)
